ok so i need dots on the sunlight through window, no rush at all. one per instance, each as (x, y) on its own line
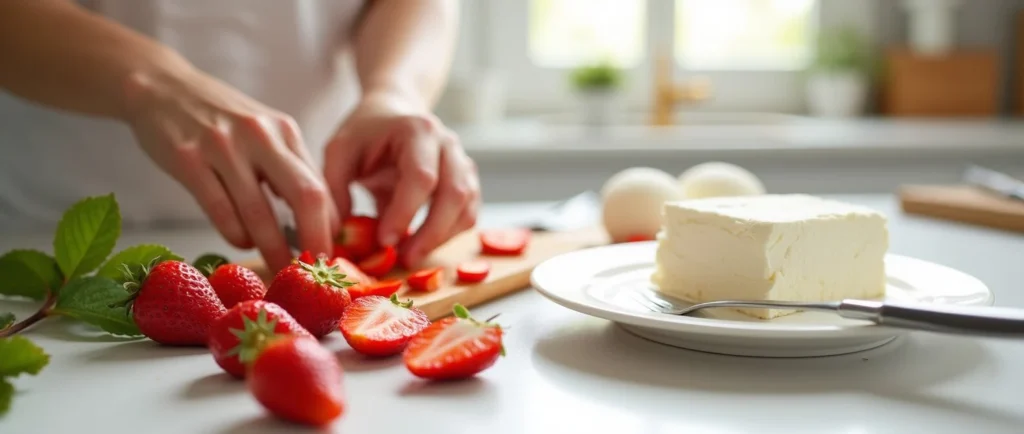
(568, 33)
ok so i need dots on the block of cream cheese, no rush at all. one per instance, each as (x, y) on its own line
(772, 247)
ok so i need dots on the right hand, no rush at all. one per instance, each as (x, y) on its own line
(223, 146)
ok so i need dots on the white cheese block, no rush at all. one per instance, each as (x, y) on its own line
(771, 247)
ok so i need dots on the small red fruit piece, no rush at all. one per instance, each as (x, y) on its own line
(383, 288)
(358, 236)
(454, 347)
(234, 283)
(351, 271)
(426, 280)
(298, 380)
(380, 263)
(638, 238)
(174, 304)
(504, 241)
(240, 334)
(378, 326)
(306, 257)
(473, 271)
(339, 252)
(314, 294)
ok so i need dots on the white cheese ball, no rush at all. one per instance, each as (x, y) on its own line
(718, 179)
(632, 202)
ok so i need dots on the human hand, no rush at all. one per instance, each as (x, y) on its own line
(404, 156)
(224, 147)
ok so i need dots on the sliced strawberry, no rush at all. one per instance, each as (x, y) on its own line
(378, 326)
(383, 288)
(306, 257)
(473, 271)
(638, 238)
(454, 347)
(351, 271)
(358, 236)
(380, 263)
(504, 241)
(426, 280)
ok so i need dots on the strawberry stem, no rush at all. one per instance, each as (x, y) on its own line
(254, 336)
(326, 275)
(406, 304)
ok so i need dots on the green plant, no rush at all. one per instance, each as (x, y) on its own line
(599, 76)
(841, 49)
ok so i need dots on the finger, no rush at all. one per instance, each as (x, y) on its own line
(209, 192)
(456, 190)
(293, 138)
(339, 171)
(418, 175)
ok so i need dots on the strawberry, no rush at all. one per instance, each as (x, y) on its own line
(380, 263)
(426, 280)
(340, 252)
(351, 271)
(383, 288)
(306, 257)
(298, 380)
(172, 303)
(454, 347)
(358, 236)
(238, 335)
(504, 241)
(639, 238)
(314, 294)
(473, 271)
(234, 283)
(377, 326)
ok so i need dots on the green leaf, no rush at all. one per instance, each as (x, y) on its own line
(6, 393)
(86, 235)
(6, 319)
(28, 273)
(89, 299)
(209, 262)
(460, 311)
(135, 258)
(18, 355)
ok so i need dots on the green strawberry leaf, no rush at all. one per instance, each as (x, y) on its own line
(6, 319)
(18, 355)
(28, 273)
(135, 258)
(209, 262)
(6, 394)
(86, 235)
(89, 299)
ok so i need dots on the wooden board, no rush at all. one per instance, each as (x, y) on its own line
(959, 83)
(508, 273)
(963, 203)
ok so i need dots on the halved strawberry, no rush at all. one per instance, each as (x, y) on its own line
(383, 288)
(351, 271)
(378, 326)
(454, 347)
(473, 271)
(426, 280)
(380, 263)
(504, 241)
(358, 236)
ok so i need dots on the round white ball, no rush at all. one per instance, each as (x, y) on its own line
(632, 202)
(718, 179)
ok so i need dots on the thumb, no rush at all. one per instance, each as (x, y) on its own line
(339, 171)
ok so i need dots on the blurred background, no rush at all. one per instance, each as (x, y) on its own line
(818, 96)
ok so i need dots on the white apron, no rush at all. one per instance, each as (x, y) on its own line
(292, 55)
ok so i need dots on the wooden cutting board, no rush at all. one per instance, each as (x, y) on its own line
(963, 203)
(508, 273)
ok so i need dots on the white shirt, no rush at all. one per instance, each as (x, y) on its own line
(292, 55)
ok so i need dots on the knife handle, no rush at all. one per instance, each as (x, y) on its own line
(969, 320)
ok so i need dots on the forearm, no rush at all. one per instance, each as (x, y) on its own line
(60, 55)
(405, 48)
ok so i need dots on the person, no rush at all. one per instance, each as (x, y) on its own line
(239, 105)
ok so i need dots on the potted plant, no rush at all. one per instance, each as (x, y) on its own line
(839, 76)
(597, 85)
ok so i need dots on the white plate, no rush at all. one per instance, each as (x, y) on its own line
(595, 281)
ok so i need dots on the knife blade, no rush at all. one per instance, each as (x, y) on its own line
(995, 182)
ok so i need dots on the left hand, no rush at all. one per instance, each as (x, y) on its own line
(405, 157)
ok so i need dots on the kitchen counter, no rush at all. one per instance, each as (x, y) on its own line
(565, 372)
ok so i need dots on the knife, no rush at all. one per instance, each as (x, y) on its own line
(996, 182)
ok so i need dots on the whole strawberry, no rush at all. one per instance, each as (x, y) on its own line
(234, 283)
(238, 335)
(298, 380)
(174, 304)
(314, 294)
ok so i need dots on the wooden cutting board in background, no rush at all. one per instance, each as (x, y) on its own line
(508, 273)
(963, 203)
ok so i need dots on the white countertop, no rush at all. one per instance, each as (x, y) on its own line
(566, 372)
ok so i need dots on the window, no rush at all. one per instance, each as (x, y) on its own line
(567, 33)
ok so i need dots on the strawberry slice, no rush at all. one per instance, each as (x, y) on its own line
(378, 326)
(351, 271)
(504, 241)
(473, 271)
(306, 257)
(383, 288)
(358, 236)
(380, 263)
(455, 347)
(426, 280)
